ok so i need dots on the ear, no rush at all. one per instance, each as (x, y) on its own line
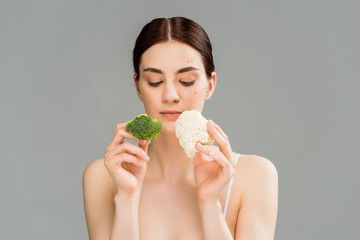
(212, 85)
(136, 81)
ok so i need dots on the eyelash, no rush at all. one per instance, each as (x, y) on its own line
(154, 84)
(186, 84)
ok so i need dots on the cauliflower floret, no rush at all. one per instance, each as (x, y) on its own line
(190, 129)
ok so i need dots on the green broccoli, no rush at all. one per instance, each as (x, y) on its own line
(144, 127)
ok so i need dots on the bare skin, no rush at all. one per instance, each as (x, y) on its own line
(170, 196)
(184, 221)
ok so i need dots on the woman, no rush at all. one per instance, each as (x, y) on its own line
(153, 190)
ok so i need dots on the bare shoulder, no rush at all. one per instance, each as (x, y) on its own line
(97, 176)
(258, 181)
(98, 195)
(256, 165)
(254, 172)
(94, 168)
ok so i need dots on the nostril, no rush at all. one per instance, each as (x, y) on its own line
(171, 96)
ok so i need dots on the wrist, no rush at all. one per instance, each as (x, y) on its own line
(126, 222)
(210, 206)
(125, 198)
(213, 222)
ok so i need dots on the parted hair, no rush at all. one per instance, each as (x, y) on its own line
(179, 29)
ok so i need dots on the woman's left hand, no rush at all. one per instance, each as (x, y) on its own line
(214, 167)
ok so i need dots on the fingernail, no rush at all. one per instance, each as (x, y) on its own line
(212, 154)
(200, 146)
(140, 163)
(147, 157)
(143, 142)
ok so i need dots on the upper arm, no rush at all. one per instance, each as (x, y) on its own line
(258, 212)
(98, 200)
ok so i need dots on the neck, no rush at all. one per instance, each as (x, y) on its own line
(168, 161)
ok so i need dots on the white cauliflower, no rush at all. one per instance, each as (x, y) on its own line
(190, 128)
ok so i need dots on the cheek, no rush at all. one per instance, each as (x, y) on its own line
(195, 94)
(199, 91)
(148, 95)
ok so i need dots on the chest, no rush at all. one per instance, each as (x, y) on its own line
(167, 212)
(172, 212)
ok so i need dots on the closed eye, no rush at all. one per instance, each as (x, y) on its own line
(156, 84)
(187, 84)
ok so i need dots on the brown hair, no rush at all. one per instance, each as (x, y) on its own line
(179, 29)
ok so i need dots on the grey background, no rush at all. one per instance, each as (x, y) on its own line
(288, 90)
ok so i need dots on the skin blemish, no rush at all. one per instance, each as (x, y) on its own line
(195, 92)
(192, 61)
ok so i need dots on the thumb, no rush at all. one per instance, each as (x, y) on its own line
(145, 146)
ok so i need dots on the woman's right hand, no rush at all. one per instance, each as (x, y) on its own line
(126, 162)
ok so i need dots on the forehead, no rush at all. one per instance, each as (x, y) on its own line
(171, 56)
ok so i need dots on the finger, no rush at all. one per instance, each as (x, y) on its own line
(221, 138)
(219, 129)
(130, 149)
(119, 134)
(144, 146)
(200, 158)
(212, 148)
(115, 161)
(218, 157)
(210, 153)
(117, 138)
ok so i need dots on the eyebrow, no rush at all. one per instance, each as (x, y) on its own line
(182, 70)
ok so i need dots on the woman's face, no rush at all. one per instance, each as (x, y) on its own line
(172, 79)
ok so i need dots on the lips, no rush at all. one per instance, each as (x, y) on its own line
(171, 114)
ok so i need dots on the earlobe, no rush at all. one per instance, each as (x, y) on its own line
(212, 85)
(208, 95)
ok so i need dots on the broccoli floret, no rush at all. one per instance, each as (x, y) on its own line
(144, 127)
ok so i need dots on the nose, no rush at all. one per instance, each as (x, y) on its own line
(170, 94)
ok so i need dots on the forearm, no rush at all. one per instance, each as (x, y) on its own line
(214, 224)
(126, 221)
